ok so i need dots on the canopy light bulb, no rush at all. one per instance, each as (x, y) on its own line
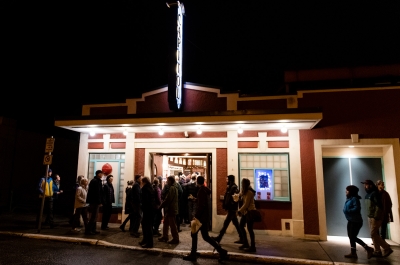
(92, 133)
(284, 130)
(240, 130)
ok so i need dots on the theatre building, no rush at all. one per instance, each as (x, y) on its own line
(299, 150)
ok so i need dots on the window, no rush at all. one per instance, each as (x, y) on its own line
(268, 174)
(116, 163)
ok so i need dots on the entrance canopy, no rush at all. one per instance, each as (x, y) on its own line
(246, 120)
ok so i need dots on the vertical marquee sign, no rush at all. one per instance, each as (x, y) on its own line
(175, 54)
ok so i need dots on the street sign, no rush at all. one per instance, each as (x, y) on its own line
(47, 159)
(49, 145)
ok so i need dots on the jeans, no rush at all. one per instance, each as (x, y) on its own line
(384, 230)
(378, 241)
(94, 212)
(170, 221)
(48, 209)
(147, 227)
(107, 211)
(352, 232)
(231, 216)
(206, 237)
(78, 213)
(136, 217)
(243, 222)
(157, 220)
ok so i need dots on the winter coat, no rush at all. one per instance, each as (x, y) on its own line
(170, 203)
(95, 192)
(157, 195)
(48, 188)
(134, 198)
(203, 204)
(80, 197)
(387, 206)
(109, 197)
(352, 209)
(229, 203)
(147, 198)
(248, 202)
(128, 206)
(373, 205)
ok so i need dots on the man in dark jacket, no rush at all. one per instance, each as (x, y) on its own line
(135, 202)
(191, 194)
(231, 207)
(148, 206)
(109, 199)
(375, 215)
(95, 200)
(202, 214)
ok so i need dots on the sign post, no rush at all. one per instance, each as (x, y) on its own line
(48, 158)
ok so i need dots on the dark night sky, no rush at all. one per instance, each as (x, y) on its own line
(60, 54)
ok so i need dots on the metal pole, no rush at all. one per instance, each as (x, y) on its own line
(44, 195)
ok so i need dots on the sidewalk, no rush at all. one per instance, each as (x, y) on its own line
(270, 249)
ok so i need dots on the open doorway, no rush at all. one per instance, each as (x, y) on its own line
(183, 165)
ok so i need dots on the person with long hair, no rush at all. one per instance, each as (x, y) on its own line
(247, 194)
(352, 211)
(80, 205)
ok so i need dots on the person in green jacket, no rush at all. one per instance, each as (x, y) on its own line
(170, 205)
(375, 216)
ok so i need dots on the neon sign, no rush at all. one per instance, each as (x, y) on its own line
(179, 53)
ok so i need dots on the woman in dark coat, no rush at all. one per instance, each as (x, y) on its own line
(148, 206)
(109, 199)
(128, 208)
(157, 210)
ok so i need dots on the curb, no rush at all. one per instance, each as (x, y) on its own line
(206, 254)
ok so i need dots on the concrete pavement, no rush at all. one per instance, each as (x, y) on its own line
(270, 249)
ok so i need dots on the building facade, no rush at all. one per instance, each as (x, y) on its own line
(299, 151)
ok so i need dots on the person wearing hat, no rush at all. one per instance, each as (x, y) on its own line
(387, 207)
(45, 189)
(352, 212)
(95, 200)
(375, 216)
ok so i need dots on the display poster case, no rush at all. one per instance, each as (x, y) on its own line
(264, 183)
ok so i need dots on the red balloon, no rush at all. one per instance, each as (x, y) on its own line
(107, 169)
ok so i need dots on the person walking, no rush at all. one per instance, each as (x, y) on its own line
(375, 216)
(203, 216)
(231, 207)
(148, 206)
(128, 208)
(352, 212)
(56, 192)
(95, 200)
(191, 193)
(247, 195)
(80, 206)
(109, 199)
(387, 207)
(45, 189)
(170, 205)
(157, 210)
(135, 204)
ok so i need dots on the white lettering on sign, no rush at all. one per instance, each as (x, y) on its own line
(179, 50)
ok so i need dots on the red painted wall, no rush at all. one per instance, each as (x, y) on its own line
(193, 100)
(139, 161)
(222, 173)
(262, 104)
(371, 114)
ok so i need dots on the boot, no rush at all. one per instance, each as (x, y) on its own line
(370, 251)
(352, 255)
(223, 255)
(122, 227)
(190, 257)
(216, 239)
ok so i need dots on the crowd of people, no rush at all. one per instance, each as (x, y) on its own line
(378, 207)
(186, 200)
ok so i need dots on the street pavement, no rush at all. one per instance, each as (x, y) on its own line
(270, 249)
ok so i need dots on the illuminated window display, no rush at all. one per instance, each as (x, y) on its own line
(268, 174)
